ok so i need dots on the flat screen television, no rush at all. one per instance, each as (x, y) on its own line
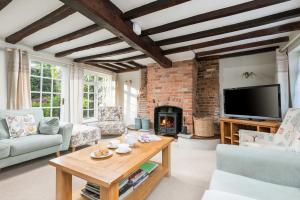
(258, 102)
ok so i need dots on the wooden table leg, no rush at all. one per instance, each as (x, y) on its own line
(166, 159)
(111, 193)
(63, 185)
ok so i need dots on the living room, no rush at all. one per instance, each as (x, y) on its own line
(149, 99)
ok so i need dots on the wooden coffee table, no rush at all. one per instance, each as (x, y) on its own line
(110, 171)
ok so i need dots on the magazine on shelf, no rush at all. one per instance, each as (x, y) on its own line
(149, 166)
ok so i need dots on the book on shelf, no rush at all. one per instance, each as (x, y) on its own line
(125, 191)
(92, 191)
(140, 181)
(149, 166)
(136, 176)
(90, 195)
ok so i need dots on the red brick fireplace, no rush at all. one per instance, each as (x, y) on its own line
(189, 85)
(172, 87)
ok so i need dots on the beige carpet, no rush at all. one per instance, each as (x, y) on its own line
(192, 167)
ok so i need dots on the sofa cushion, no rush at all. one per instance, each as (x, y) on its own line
(236, 184)
(4, 150)
(215, 195)
(21, 125)
(49, 126)
(32, 143)
(36, 112)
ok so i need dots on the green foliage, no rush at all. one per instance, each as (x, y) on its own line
(35, 84)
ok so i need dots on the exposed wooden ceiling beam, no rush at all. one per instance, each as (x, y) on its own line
(151, 8)
(242, 53)
(68, 37)
(103, 67)
(253, 34)
(89, 46)
(107, 14)
(244, 46)
(224, 12)
(53, 17)
(231, 28)
(108, 54)
(4, 3)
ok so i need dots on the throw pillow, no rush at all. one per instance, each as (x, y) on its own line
(20, 126)
(296, 143)
(286, 133)
(49, 126)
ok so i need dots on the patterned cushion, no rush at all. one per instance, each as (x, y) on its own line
(21, 125)
(112, 127)
(287, 131)
(296, 143)
(83, 135)
(261, 138)
(110, 114)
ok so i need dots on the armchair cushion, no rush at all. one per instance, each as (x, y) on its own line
(278, 167)
(216, 195)
(111, 127)
(110, 114)
(252, 188)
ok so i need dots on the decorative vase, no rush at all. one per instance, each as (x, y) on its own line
(145, 124)
(138, 123)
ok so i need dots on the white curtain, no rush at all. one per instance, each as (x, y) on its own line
(18, 79)
(282, 78)
(296, 102)
(76, 94)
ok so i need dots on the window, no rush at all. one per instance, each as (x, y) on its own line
(95, 93)
(46, 84)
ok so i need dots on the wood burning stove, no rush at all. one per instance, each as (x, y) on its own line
(167, 120)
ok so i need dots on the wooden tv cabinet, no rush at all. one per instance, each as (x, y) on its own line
(230, 128)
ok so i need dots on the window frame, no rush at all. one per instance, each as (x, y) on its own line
(41, 78)
(96, 85)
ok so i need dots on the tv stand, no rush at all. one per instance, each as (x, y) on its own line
(230, 128)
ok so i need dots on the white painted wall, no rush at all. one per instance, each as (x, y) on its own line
(231, 69)
(3, 80)
(127, 98)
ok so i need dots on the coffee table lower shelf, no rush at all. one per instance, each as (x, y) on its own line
(142, 191)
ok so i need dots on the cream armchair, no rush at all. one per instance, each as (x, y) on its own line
(111, 121)
(287, 137)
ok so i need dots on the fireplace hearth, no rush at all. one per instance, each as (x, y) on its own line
(167, 120)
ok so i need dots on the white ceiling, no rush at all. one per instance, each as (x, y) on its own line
(21, 13)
